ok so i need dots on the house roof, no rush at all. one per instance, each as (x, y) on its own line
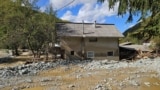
(87, 30)
(126, 43)
(137, 47)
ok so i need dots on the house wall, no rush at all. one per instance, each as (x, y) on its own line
(100, 48)
(72, 44)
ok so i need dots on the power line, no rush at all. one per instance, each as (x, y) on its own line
(66, 5)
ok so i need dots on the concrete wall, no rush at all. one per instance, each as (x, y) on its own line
(100, 48)
(72, 44)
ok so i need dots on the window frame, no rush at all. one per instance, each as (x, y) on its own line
(110, 52)
(90, 53)
(93, 39)
(72, 52)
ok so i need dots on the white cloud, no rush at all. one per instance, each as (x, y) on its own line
(68, 15)
(58, 4)
(89, 12)
(42, 9)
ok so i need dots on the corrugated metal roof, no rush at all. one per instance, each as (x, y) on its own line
(137, 47)
(87, 30)
(126, 43)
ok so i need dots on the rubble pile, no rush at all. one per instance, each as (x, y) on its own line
(148, 64)
(33, 68)
(24, 73)
(29, 69)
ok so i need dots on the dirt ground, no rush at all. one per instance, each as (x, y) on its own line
(74, 77)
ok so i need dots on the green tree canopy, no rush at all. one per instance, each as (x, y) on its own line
(134, 7)
(21, 24)
(150, 16)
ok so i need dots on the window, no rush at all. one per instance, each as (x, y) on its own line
(92, 39)
(90, 54)
(72, 52)
(110, 53)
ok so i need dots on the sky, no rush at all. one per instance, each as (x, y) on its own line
(88, 11)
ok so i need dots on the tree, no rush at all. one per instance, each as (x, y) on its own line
(49, 23)
(11, 25)
(25, 25)
(156, 44)
(133, 7)
(149, 11)
(136, 6)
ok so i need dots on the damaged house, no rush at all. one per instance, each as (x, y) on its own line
(130, 51)
(89, 40)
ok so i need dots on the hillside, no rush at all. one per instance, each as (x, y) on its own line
(132, 29)
(139, 26)
(143, 31)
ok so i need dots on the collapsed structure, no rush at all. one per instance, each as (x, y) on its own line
(132, 51)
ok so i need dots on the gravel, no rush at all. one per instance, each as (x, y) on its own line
(34, 68)
(147, 64)
(29, 69)
(143, 65)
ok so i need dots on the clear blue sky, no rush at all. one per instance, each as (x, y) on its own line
(89, 11)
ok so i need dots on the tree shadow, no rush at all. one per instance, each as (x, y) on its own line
(9, 60)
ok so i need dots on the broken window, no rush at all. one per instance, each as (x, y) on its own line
(90, 54)
(110, 53)
(72, 52)
(92, 39)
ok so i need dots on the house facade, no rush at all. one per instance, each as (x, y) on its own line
(89, 40)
